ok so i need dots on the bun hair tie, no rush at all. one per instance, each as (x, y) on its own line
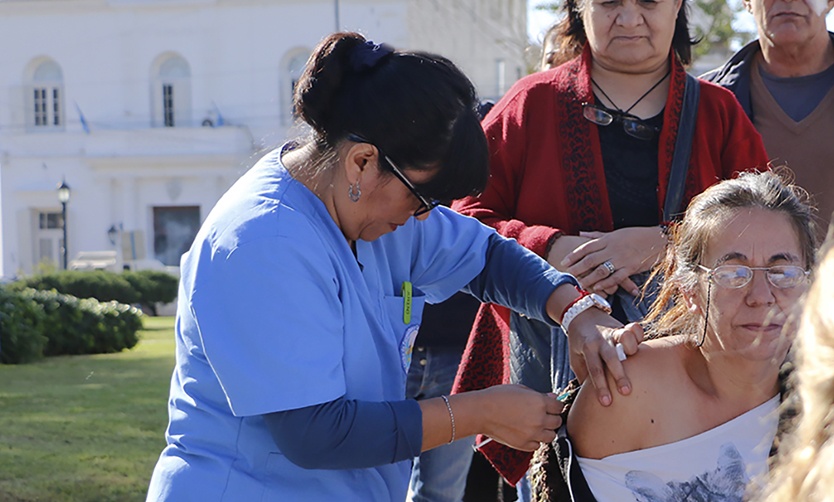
(368, 55)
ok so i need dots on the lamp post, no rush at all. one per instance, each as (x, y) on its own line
(64, 196)
(112, 233)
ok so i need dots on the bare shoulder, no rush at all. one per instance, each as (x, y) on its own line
(599, 431)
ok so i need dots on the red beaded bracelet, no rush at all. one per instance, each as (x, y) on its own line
(582, 294)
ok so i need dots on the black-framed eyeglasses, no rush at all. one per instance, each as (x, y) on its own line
(426, 204)
(633, 125)
(738, 276)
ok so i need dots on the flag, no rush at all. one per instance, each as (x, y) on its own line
(84, 124)
(220, 120)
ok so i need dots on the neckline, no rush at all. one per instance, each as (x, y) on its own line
(757, 84)
(641, 98)
(800, 79)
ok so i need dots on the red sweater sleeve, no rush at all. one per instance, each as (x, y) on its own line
(741, 148)
(725, 142)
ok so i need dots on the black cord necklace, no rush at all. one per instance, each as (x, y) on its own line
(638, 99)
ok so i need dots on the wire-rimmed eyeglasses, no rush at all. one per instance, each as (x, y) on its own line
(633, 125)
(426, 204)
(738, 276)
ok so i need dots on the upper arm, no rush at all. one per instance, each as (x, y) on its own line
(269, 313)
(599, 431)
(742, 147)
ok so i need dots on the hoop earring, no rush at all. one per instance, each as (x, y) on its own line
(706, 317)
(354, 192)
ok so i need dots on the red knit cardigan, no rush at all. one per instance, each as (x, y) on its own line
(546, 178)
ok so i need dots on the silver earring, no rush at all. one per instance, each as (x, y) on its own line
(354, 192)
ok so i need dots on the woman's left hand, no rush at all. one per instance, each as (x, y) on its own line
(606, 261)
(592, 339)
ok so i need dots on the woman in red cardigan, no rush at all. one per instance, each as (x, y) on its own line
(580, 160)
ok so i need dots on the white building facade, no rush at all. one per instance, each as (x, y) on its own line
(150, 109)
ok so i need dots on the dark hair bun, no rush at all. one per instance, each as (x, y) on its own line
(322, 79)
(417, 108)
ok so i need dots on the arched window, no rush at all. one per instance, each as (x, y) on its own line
(45, 101)
(171, 91)
(293, 64)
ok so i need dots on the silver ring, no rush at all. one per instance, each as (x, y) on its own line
(609, 266)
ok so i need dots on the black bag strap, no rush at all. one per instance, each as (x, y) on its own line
(683, 149)
(577, 485)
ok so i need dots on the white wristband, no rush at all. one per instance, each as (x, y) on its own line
(583, 304)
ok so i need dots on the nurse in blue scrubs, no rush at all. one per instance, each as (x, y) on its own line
(302, 294)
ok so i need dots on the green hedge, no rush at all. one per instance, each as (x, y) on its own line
(143, 287)
(50, 323)
(21, 328)
(99, 284)
(153, 286)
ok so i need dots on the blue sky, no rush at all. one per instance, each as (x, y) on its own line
(538, 21)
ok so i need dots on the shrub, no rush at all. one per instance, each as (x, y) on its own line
(153, 286)
(145, 287)
(99, 284)
(64, 324)
(21, 328)
(85, 326)
(118, 326)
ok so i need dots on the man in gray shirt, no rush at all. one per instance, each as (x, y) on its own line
(784, 80)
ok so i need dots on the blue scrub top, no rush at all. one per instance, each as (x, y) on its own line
(276, 313)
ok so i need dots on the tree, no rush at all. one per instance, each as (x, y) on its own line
(712, 23)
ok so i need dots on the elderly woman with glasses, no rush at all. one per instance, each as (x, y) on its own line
(707, 386)
(583, 163)
(803, 467)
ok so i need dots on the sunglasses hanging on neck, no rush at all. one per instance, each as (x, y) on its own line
(633, 125)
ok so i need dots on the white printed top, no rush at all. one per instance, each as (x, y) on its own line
(714, 465)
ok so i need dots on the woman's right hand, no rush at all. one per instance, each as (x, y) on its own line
(592, 338)
(628, 250)
(519, 417)
(561, 248)
(567, 245)
(510, 414)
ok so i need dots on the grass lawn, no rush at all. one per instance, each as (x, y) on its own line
(86, 428)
